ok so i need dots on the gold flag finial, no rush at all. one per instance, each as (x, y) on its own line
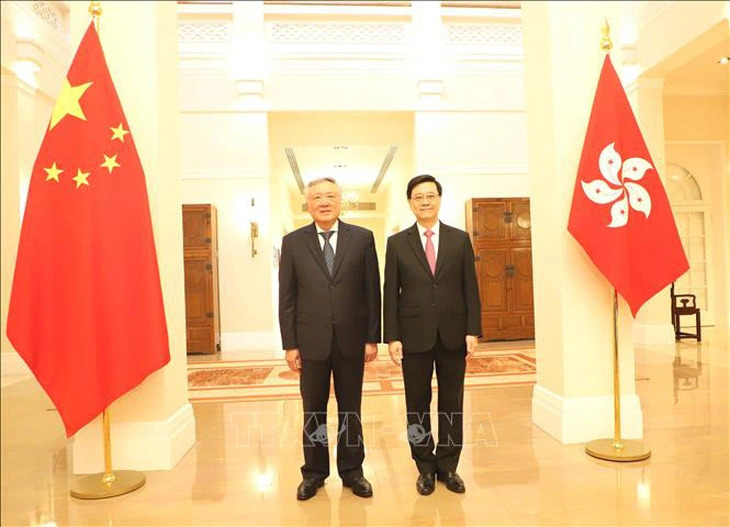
(95, 9)
(95, 12)
(606, 43)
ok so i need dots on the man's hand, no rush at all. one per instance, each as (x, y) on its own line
(294, 360)
(395, 349)
(371, 351)
(471, 345)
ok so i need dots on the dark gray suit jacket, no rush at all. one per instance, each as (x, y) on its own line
(418, 304)
(312, 305)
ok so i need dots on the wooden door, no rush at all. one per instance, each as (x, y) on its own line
(200, 247)
(501, 235)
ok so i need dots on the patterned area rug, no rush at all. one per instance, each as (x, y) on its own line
(259, 380)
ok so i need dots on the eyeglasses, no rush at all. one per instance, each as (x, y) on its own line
(420, 198)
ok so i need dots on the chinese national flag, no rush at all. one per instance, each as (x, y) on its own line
(620, 213)
(86, 309)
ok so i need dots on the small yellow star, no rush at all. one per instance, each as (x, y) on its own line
(118, 133)
(81, 178)
(110, 163)
(68, 102)
(52, 172)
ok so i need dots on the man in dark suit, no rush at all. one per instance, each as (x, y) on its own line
(329, 314)
(432, 316)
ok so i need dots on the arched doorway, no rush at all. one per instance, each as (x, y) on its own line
(692, 215)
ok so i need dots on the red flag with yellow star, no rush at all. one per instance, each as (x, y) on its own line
(86, 310)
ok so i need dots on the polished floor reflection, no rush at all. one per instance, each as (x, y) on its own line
(245, 466)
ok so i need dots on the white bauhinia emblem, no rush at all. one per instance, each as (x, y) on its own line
(619, 186)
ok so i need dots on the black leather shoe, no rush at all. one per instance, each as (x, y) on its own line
(453, 482)
(360, 486)
(425, 484)
(308, 488)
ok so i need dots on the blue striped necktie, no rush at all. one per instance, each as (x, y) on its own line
(329, 252)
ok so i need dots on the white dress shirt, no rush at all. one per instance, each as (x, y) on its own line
(434, 238)
(333, 238)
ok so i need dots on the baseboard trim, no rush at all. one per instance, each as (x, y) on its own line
(13, 364)
(142, 445)
(582, 419)
(648, 334)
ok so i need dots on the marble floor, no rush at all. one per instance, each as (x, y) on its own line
(244, 468)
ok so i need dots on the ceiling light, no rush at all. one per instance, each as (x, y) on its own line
(724, 60)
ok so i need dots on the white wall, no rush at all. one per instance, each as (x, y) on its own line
(225, 162)
(474, 155)
(245, 298)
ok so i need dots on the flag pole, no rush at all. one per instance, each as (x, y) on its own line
(109, 483)
(616, 449)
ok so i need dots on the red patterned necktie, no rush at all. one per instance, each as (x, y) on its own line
(430, 251)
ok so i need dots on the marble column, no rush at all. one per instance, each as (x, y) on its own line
(573, 397)
(153, 425)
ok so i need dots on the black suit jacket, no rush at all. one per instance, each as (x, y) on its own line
(417, 304)
(312, 305)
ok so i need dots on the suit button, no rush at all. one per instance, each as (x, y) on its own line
(433, 305)
(433, 285)
(331, 286)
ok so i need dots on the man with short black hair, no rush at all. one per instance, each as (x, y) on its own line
(432, 317)
(329, 313)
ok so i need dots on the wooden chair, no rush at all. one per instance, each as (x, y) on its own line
(685, 305)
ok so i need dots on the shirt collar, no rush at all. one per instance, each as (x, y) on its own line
(434, 229)
(335, 227)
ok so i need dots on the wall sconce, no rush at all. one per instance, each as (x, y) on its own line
(254, 229)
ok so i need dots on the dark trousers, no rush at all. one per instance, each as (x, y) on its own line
(417, 375)
(314, 384)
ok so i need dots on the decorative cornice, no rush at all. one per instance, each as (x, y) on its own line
(352, 33)
(53, 42)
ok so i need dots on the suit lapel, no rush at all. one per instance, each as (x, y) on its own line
(343, 243)
(414, 240)
(445, 243)
(310, 238)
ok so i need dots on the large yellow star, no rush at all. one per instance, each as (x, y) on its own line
(68, 102)
(81, 178)
(110, 163)
(52, 172)
(118, 133)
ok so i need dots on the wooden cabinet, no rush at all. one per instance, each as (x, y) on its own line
(202, 307)
(500, 231)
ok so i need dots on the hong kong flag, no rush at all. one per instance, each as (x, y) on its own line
(620, 212)
(86, 311)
